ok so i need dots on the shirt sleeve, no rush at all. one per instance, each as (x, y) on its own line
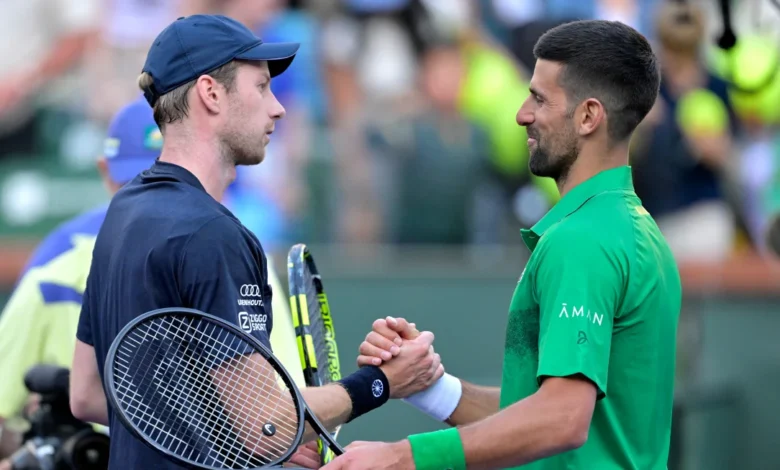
(22, 330)
(220, 274)
(84, 329)
(578, 286)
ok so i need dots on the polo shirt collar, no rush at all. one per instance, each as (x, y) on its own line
(179, 173)
(615, 179)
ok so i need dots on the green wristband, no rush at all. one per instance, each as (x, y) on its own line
(438, 450)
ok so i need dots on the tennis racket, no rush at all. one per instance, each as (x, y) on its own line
(313, 326)
(204, 393)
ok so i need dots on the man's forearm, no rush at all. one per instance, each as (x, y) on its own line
(101, 410)
(476, 403)
(531, 429)
(92, 410)
(330, 403)
(87, 398)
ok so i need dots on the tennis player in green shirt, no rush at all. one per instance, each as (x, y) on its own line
(588, 374)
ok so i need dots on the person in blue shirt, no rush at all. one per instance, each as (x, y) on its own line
(167, 241)
(38, 323)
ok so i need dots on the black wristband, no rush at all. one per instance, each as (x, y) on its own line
(368, 389)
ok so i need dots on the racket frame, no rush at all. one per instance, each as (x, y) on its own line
(302, 409)
(298, 258)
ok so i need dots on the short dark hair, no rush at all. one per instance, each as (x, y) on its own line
(609, 61)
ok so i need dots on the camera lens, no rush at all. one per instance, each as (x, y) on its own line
(86, 450)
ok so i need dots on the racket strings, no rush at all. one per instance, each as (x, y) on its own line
(242, 398)
(289, 412)
(211, 406)
(170, 395)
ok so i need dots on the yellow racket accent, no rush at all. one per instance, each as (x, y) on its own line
(294, 308)
(310, 351)
(308, 341)
(296, 324)
(304, 310)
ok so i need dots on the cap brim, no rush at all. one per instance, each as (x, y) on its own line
(279, 55)
(124, 170)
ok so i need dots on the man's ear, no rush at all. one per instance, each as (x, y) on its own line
(591, 116)
(208, 92)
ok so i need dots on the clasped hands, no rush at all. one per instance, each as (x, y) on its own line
(407, 358)
(405, 355)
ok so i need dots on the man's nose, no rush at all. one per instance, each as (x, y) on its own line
(277, 110)
(525, 115)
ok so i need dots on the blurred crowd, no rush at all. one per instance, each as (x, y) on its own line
(400, 125)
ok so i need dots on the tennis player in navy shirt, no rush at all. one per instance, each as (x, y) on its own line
(167, 241)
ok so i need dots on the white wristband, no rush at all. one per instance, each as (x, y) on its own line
(440, 399)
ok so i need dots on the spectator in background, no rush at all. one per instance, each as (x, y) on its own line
(43, 44)
(760, 186)
(430, 159)
(752, 68)
(370, 50)
(128, 28)
(512, 14)
(685, 143)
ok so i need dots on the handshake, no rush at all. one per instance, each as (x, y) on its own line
(404, 354)
(414, 373)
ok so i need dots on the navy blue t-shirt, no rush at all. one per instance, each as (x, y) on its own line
(165, 242)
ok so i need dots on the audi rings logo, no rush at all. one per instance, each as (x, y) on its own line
(250, 290)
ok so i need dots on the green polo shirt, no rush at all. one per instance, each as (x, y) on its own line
(600, 296)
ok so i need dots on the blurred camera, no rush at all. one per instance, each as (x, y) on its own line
(57, 440)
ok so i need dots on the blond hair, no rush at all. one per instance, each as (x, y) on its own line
(173, 106)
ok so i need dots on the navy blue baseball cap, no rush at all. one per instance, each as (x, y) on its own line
(195, 45)
(133, 143)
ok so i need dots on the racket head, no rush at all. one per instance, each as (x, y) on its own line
(313, 323)
(154, 410)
